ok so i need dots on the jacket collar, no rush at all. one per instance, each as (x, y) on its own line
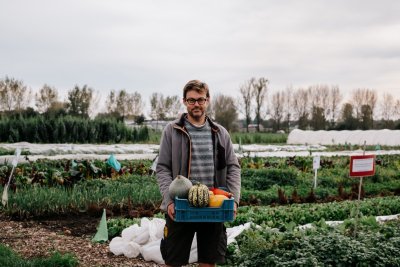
(181, 122)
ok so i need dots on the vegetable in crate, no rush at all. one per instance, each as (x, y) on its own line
(199, 195)
(216, 201)
(218, 191)
(180, 187)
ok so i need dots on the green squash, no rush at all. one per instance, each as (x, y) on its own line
(199, 195)
(179, 187)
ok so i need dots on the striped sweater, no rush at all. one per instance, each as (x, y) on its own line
(202, 164)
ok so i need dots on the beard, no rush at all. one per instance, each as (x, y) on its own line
(196, 113)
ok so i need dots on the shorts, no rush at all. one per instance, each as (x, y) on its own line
(178, 237)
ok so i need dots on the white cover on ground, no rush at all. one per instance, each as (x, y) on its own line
(357, 137)
(146, 238)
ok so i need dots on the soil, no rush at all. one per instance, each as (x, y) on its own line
(66, 234)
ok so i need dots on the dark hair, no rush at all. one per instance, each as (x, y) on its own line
(197, 86)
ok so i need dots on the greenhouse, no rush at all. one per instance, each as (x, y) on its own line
(358, 137)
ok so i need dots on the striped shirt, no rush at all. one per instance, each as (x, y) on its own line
(202, 164)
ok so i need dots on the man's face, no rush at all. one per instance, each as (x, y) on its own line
(195, 109)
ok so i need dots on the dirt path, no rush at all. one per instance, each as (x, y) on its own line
(73, 235)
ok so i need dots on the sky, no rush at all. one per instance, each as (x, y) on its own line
(158, 45)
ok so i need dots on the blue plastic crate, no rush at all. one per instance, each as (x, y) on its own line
(186, 213)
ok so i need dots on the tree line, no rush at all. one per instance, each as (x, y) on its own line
(317, 107)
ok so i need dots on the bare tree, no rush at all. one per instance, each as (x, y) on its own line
(397, 108)
(46, 97)
(156, 102)
(387, 108)
(111, 102)
(94, 103)
(137, 104)
(318, 95)
(300, 107)
(244, 102)
(14, 95)
(259, 88)
(173, 106)
(224, 110)
(288, 109)
(335, 97)
(277, 109)
(362, 97)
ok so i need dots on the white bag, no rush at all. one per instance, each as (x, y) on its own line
(151, 252)
(117, 245)
(131, 250)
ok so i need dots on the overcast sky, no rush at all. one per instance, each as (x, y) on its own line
(157, 46)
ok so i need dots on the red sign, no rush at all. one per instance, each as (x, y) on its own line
(362, 165)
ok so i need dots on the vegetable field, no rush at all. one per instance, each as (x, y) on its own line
(292, 218)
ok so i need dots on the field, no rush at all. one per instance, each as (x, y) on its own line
(56, 205)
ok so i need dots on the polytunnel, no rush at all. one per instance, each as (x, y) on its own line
(358, 137)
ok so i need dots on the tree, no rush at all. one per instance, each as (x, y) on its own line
(157, 110)
(163, 108)
(300, 107)
(361, 97)
(259, 89)
(79, 101)
(124, 103)
(14, 95)
(57, 109)
(319, 100)
(224, 111)
(397, 108)
(388, 110)
(349, 122)
(172, 106)
(245, 102)
(318, 120)
(366, 117)
(277, 109)
(288, 109)
(46, 97)
(335, 97)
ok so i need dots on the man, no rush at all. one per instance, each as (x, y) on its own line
(198, 148)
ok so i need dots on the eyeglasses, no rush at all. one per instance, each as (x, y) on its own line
(192, 101)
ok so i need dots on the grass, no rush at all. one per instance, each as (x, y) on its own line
(11, 259)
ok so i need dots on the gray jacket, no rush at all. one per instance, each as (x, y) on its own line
(175, 157)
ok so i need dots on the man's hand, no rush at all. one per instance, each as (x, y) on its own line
(235, 206)
(171, 211)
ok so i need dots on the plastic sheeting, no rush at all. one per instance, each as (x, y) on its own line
(145, 240)
(358, 137)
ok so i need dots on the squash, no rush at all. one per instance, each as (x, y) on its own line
(199, 195)
(179, 187)
(218, 191)
(216, 200)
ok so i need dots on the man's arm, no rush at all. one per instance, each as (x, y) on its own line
(233, 177)
(164, 167)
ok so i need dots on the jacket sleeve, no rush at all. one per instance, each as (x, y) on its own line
(164, 166)
(233, 177)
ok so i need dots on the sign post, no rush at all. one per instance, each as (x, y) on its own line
(361, 166)
(316, 165)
